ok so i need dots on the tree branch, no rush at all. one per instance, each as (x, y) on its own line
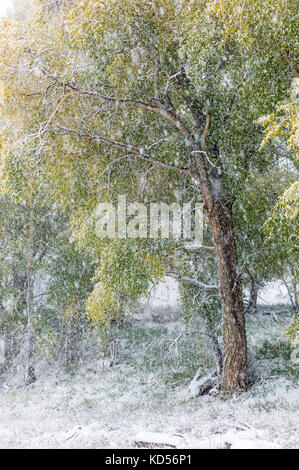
(129, 148)
(155, 108)
(195, 282)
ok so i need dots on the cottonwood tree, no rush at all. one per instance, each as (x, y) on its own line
(169, 86)
(261, 259)
(59, 280)
(35, 248)
(282, 227)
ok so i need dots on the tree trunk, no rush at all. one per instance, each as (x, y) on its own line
(29, 374)
(292, 293)
(252, 307)
(234, 377)
(19, 283)
(216, 348)
(219, 211)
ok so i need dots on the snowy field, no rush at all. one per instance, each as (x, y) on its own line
(143, 398)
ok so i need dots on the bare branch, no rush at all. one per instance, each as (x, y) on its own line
(155, 108)
(129, 148)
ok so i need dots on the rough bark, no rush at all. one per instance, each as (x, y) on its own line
(219, 211)
(234, 377)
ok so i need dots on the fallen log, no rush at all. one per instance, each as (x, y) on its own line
(157, 439)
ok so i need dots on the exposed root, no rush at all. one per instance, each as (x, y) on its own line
(203, 384)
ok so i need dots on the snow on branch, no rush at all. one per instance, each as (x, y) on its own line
(195, 282)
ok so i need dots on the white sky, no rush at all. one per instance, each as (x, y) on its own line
(4, 4)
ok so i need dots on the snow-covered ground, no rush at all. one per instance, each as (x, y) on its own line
(87, 412)
(274, 292)
(135, 402)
